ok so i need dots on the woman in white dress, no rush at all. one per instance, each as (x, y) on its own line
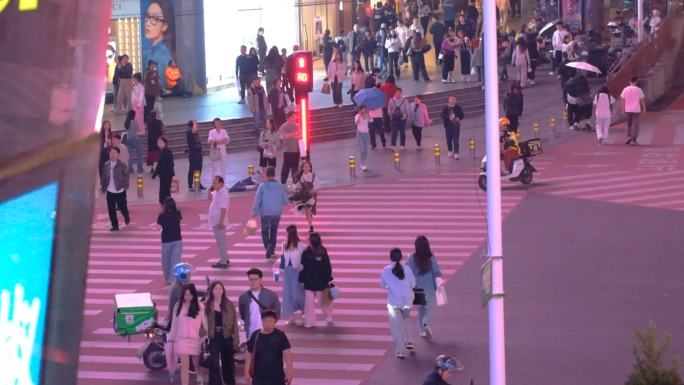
(188, 319)
(219, 137)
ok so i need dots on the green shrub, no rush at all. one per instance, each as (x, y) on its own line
(648, 352)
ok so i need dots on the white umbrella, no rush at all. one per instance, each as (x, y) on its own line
(546, 27)
(580, 65)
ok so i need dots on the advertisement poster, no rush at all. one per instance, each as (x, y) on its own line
(158, 34)
(572, 14)
(25, 280)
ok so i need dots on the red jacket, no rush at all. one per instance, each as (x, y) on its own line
(389, 89)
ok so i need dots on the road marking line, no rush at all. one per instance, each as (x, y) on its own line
(640, 192)
(679, 135)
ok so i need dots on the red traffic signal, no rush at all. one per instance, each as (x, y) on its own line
(301, 68)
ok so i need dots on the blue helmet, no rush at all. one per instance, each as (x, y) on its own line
(448, 363)
(182, 272)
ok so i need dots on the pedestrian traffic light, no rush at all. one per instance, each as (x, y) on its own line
(302, 71)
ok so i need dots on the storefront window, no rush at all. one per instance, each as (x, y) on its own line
(229, 24)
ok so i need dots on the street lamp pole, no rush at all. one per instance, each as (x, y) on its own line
(640, 19)
(495, 306)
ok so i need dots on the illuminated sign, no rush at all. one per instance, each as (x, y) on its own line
(28, 224)
(302, 76)
(24, 5)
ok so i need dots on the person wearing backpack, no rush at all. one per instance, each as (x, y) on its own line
(603, 102)
(398, 109)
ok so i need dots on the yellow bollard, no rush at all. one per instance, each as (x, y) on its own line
(196, 181)
(565, 118)
(352, 166)
(535, 128)
(397, 159)
(250, 170)
(438, 153)
(552, 127)
(139, 183)
(471, 146)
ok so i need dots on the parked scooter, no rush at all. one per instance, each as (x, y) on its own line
(521, 170)
(153, 355)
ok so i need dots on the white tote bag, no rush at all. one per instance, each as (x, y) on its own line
(440, 293)
(302, 149)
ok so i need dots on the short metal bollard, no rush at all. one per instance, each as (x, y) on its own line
(565, 118)
(438, 153)
(552, 127)
(471, 146)
(250, 170)
(535, 128)
(352, 166)
(196, 181)
(139, 183)
(397, 159)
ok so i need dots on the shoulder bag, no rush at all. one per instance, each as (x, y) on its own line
(419, 296)
(214, 153)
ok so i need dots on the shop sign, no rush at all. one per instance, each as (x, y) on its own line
(125, 8)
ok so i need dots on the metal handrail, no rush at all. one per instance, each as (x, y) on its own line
(645, 55)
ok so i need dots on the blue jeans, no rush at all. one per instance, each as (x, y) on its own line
(220, 236)
(398, 127)
(364, 142)
(170, 256)
(452, 136)
(424, 311)
(133, 144)
(269, 230)
(260, 117)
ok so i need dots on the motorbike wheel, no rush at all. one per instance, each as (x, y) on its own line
(482, 182)
(154, 357)
(526, 176)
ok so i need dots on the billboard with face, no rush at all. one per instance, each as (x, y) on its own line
(158, 30)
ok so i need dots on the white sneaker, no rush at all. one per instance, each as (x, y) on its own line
(403, 148)
(456, 156)
(401, 354)
(445, 81)
(363, 167)
(409, 346)
(394, 149)
(308, 326)
(419, 148)
(329, 321)
(450, 154)
(428, 332)
(532, 82)
(423, 333)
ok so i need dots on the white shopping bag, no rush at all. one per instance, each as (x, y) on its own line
(440, 293)
(302, 149)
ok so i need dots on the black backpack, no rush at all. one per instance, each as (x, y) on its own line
(396, 112)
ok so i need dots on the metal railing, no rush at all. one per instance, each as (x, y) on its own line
(644, 56)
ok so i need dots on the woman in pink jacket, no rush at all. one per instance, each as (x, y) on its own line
(188, 319)
(337, 70)
(420, 118)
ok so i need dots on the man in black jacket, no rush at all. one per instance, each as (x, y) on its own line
(114, 180)
(240, 73)
(164, 169)
(262, 47)
(194, 153)
(452, 115)
(438, 30)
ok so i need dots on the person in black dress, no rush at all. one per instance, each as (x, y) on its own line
(269, 348)
(194, 153)
(164, 169)
(155, 129)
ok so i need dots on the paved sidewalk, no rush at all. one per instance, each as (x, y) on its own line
(331, 158)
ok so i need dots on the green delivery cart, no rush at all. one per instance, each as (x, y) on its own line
(134, 313)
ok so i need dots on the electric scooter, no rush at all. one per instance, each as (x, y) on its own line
(521, 169)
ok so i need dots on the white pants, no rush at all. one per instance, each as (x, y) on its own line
(400, 326)
(521, 74)
(602, 128)
(310, 298)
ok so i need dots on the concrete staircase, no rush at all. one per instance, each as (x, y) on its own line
(326, 124)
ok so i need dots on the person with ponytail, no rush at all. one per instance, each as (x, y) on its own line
(399, 282)
(425, 268)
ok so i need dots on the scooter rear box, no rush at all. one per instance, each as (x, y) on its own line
(134, 313)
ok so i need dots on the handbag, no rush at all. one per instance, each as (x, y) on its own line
(214, 153)
(269, 153)
(250, 227)
(325, 89)
(205, 360)
(334, 292)
(419, 296)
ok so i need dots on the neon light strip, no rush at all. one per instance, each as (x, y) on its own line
(304, 120)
